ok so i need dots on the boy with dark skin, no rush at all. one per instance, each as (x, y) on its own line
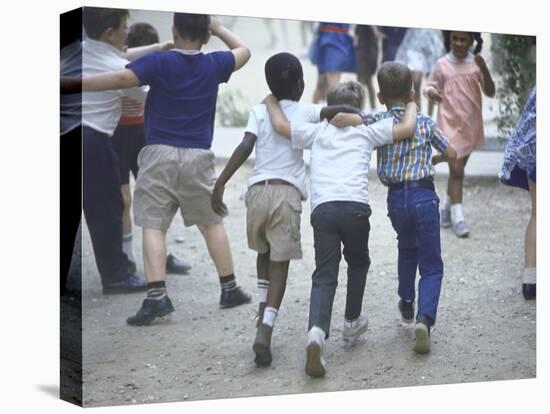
(276, 188)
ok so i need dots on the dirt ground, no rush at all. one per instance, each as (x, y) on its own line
(485, 329)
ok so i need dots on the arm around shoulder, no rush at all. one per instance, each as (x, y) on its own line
(122, 79)
(406, 127)
(279, 122)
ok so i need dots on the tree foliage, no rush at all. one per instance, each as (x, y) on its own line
(515, 63)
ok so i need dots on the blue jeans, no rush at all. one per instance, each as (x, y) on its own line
(414, 214)
(338, 223)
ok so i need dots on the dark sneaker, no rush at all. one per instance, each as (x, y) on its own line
(175, 265)
(234, 297)
(422, 334)
(406, 308)
(151, 309)
(262, 345)
(132, 267)
(315, 361)
(260, 314)
(529, 291)
(134, 283)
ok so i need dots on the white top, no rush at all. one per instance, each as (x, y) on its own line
(340, 158)
(275, 156)
(101, 110)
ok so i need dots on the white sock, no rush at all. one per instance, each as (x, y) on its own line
(128, 246)
(456, 213)
(446, 204)
(263, 286)
(351, 324)
(530, 275)
(269, 316)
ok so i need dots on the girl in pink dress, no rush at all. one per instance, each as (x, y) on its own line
(456, 84)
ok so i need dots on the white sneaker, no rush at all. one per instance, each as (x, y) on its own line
(350, 335)
(315, 361)
(422, 338)
(461, 229)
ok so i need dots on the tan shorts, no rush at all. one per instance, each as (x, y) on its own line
(273, 221)
(171, 177)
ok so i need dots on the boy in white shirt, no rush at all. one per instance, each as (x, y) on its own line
(276, 188)
(340, 160)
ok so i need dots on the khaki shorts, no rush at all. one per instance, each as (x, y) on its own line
(273, 221)
(171, 177)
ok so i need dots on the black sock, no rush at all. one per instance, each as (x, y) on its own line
(156, 290)
(228, 282)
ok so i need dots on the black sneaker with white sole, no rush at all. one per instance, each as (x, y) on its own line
(406, 308)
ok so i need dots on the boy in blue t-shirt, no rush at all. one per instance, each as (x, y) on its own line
(177, 165)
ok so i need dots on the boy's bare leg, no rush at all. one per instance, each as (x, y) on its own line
(262, 270)
(218, 247)
(417, 83)
(278, 273)
(371, 93)
(154, 255)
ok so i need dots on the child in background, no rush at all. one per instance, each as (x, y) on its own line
(177, 165)
(128, 140)
(276, 187)
(340, 160)
(366, 53)
(332, 52)
(456, 83)
(406, 169)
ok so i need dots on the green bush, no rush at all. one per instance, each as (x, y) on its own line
(515, 64)
(231, 109)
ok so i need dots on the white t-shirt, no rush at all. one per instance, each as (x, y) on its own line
(275, 156)
(340, 158)
(101, 110)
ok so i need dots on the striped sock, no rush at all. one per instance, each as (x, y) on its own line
(263, 286)
(156, 290)
(228, 282)
(269, 316)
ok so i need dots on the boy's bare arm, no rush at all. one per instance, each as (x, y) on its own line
(406, 127)
(137, 52)
(240, 51)
(239, 156)
(342, 120)
(448, 155)
(121, 79)
(328, 112)
(276, 115)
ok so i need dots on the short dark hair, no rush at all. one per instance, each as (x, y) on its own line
(97, 19)
(142, 34)
(476, 37)
(283, 72)
(346, 93)
(192, 26)
(394, 80)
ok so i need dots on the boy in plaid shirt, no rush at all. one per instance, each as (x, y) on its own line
(406, 168)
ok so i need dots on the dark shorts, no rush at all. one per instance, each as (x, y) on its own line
(128, 140)
(518, 177)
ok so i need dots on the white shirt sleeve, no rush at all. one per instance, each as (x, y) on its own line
(314, 113)
(304, 134)
(379, 133)
(253, 125)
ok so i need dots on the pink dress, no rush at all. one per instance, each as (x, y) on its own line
(460, 114)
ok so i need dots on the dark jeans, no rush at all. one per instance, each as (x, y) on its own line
(336, 223)
(102, 203)
(414, 214)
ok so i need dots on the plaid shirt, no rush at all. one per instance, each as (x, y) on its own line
(410, 159)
